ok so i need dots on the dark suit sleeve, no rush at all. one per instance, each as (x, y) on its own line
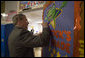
(28, 40)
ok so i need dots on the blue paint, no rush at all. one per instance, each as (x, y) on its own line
(63, 22)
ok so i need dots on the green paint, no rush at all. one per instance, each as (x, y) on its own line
(52, 12)
(46, 18)
(51, 9)
(63, 5)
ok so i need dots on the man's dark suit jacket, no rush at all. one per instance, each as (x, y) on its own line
(21, 42)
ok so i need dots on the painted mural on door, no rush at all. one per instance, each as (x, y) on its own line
(60, 17)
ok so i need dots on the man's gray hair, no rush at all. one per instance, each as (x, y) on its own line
(17, 17)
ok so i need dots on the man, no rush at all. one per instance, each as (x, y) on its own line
(21, 42)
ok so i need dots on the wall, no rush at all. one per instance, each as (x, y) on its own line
(11, 5)
(2, 6)
(34, 16)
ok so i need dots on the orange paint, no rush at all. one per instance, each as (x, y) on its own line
(67, 48)
(58, 44)
(68, 38)
(68, 44)
(54, 33)
(64, 47)
(62, 44)
(61, 35)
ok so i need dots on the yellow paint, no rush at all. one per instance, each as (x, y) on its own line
(58, 54)
(60, 13)
(81, 49)
(82, 52)
(49, 48)
(81, 41)
(51, 55)
(54, 51)
(82, 46)
(52, 23)
(54, 2)
(66, 55)
(81, 55)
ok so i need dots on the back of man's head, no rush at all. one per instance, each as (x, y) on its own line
(17, 17)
